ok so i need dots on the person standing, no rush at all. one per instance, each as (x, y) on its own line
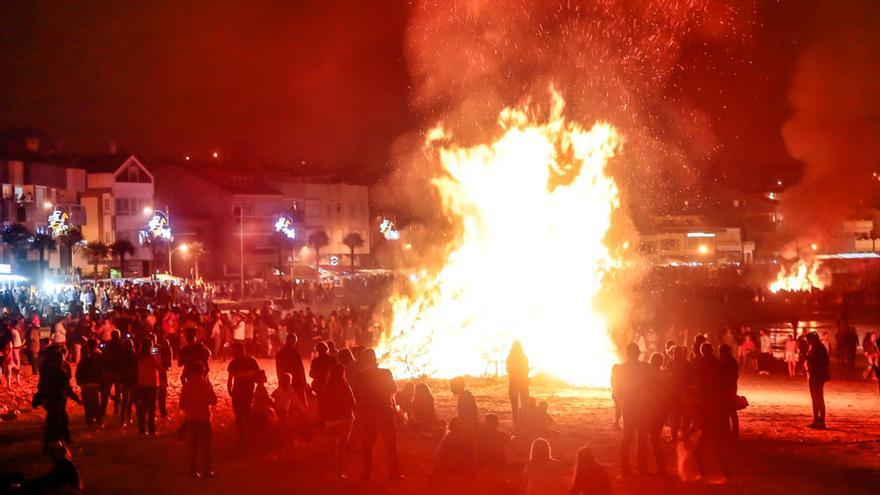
(337, 411)
(288, 360)
(128, 380)
(241, 384)
(376, 388)
(320, 366)
(89, 377)
(730, 375)
(631, 383)
(196, 398)
(53, 391)
(818, 372)
(518, 379)
(149, 367)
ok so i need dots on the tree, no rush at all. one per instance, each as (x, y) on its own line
(196, 250)
(120, 249)
(41, 243)
(318, 239)
(70, 240)
(95, 251)
(353, 240)
(15, 236)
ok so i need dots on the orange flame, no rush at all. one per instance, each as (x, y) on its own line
(803, 276)
(534, 208)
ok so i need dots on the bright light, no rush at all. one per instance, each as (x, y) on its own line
(284, 225)
(463, 318)
(215, 154)
(803, 276)
(771, 195)
(186, 158)
(700, 234)
(703, 249)
(148, 210)
(184, 248)
(47, 205)
(779, 183)
(814, 246)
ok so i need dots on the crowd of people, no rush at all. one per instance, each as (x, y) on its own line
(694, 393)
(120, 343)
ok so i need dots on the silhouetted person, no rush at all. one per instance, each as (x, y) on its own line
(542, 472)
(337, 413)
(288, 360)
(713, 412)
(148, 366)
(730, 377)
(455, 453)
(128, 380)
(89, 376)
(63, 476)
(466, 406)
(424, 413)
(518, 377)
(376, 390)
(590, 478)
(632, 384)
(193, 352)
(492, 445)
(680, 378)
(53, 390)
(196, 398)
(818, 373)
(320, 366)
(242, 381)
(404, 399)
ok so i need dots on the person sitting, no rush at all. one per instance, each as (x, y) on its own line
(424, 415)
(542, 473)
(467, 405)
(404, 399)
(492, 445)
(455, 454)
(590, 478)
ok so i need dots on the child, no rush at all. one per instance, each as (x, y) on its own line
(196, 398)
(590, 478)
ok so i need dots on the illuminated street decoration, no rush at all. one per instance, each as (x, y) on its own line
(389, 230)
(334, 261)
(59, 221)
(157, 228)
(284, 225)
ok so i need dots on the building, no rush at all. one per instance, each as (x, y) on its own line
(118, 201)
(235, 213)
(35, 183)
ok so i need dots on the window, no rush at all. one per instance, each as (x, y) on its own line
(133, 173)
(122, 206)
(107, 206)
(244, 209)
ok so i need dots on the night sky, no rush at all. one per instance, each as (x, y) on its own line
(329, 81)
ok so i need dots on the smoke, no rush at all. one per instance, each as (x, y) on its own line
(612, 60)
(836, 120)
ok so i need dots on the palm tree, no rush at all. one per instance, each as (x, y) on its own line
(318, 239)
(15, 236)
(41, 243)
(196, 250)
(96, 251)
(353, 240)
(120, 249)
(69, 240)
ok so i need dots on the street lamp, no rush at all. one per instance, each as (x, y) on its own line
(148, 210)
(184, 248)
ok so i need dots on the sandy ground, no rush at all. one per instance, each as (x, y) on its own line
(775, 455)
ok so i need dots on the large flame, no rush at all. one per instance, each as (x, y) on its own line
(803, 276)
(534, 208)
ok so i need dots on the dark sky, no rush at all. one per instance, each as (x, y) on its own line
(323, 81)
